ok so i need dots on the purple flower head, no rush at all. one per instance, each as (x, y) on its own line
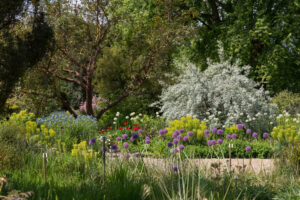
(161, 132)
(175, 150)
(104, 149)
(206, 135)
(125, 145)
(165, 131)
(134, 137)
(248, 148)
(128, 155)
(214, 130)
(181, 147)
(179, 137)
(213, 142)
(248, 131)
(175, 134)
(175, 168)
(181, 130)
(185, 138)
(92, 141)
(206, 132)
(219, 141)
(140, 131)
(233, 136)
(228, 136)
(266, 135)
(114, 147)
(240, 126)
(118, 138)
(175, 141)
(147, 140)
(190, 133)
(254, 135)
(220, 132)
(170, 144)
(125, 136)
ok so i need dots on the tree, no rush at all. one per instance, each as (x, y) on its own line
(262, 34)
(20, 51)
(86, 33)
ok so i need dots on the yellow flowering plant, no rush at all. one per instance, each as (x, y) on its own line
(287, 130)
(82, 151)
(188, 124)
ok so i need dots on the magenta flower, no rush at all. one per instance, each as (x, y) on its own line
(125, 145)
(214, 130)
(190, 133)
(181, 147)
(206, 132)
(220, 132)
(125, 136)
(175, 141)
(92, 141)
(147, 140)
(248, 148)
(104, 149)
(240, 126)
(248, 131)
(179, 137)
(233, 136)
(219, 141)
(254, 135)
(140, 131)
(185, 138)
(175, 168)
(114, 147)
(175, 134)
(118, 138)
(266, 135)
(228, 136)
(181, 130)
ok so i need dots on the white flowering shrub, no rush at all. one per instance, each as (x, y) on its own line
(222, 94)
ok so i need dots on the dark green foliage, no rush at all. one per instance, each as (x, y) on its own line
(19, 51)
(262, 34)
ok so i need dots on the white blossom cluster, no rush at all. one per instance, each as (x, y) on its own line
(222, 94)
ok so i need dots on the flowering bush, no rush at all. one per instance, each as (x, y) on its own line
(187, 124)
(222, 94)
(287, 130)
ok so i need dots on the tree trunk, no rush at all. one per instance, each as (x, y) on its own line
(89, 97)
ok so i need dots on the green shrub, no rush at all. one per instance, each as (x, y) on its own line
(288, 101)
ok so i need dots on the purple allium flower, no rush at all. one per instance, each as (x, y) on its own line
(118, 138)
(104, 149)
(114, 147)
(214, 130)
(175, 168)
(206, 135)
(125, 136)
(140, 131)
(254, 135)
(213, 142)
(179, 137)
(219, 141)
(175, 150)
(165, 131)
(175, 134)
(185, 138)
(161, 132)
(266, 135)
(228, 136)
(181, 130)
(170, 144)
(147, 140)
(190, 133)
(220, 132)
(175, 141)
(92, 141)
(209, 142)
(128, 155)
(206, 132)
(240, 126)
(125, 145)
(134, 137)
(233, 136)
(248, 131)
(248, 148)
(181, 147)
